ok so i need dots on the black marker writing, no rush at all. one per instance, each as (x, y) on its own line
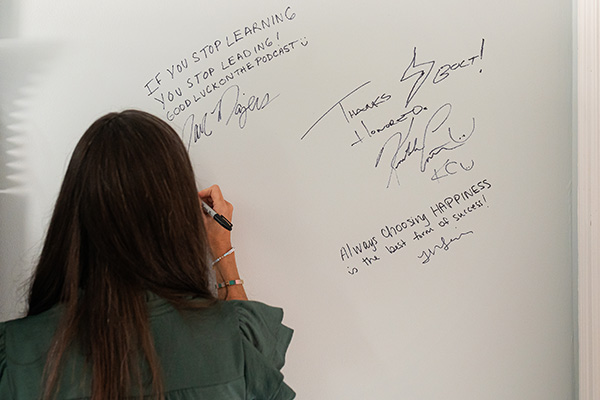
(406, 145)
(335, 105)
(229, 105)
(422, 72)
(444, 245)
(235, 108)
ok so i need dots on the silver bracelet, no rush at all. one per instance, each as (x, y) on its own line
(223, 256)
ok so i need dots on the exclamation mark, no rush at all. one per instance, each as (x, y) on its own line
(481, 51)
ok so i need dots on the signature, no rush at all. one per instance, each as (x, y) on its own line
(194, 130)
(406, 145)
(229, 106)
(427, 254)
(225, 111)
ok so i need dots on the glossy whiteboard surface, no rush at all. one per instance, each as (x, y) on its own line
(401, 172)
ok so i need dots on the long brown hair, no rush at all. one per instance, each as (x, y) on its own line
(126, 222)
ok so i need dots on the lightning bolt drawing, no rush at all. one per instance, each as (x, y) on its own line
(422, 70)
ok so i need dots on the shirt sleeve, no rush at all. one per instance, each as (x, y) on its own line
(265, 341)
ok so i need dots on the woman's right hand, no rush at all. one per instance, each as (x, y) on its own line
(219, 238)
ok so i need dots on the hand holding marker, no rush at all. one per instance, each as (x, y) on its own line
(224, 222)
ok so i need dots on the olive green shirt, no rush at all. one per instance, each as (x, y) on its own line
(233, 350)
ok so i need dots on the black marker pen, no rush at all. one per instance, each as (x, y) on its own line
(224, 222)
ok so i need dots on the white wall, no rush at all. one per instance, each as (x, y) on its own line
(489, 316)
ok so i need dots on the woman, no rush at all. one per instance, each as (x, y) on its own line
(121, 303)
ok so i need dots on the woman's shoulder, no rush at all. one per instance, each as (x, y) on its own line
(26, 339)
(265, 341)
(252, 320)
(231, 342)
(255, 321)
(259, 322)
(24, 343)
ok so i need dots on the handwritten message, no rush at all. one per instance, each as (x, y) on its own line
(424, 235)
(207, 89)
(427, 133)
(417, 136)
(203, 89)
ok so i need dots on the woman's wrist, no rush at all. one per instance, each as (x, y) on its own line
(226, 269)
(219, 248)
(229, 283)
(227, 253)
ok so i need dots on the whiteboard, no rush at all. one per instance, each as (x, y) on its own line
(401, 173)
